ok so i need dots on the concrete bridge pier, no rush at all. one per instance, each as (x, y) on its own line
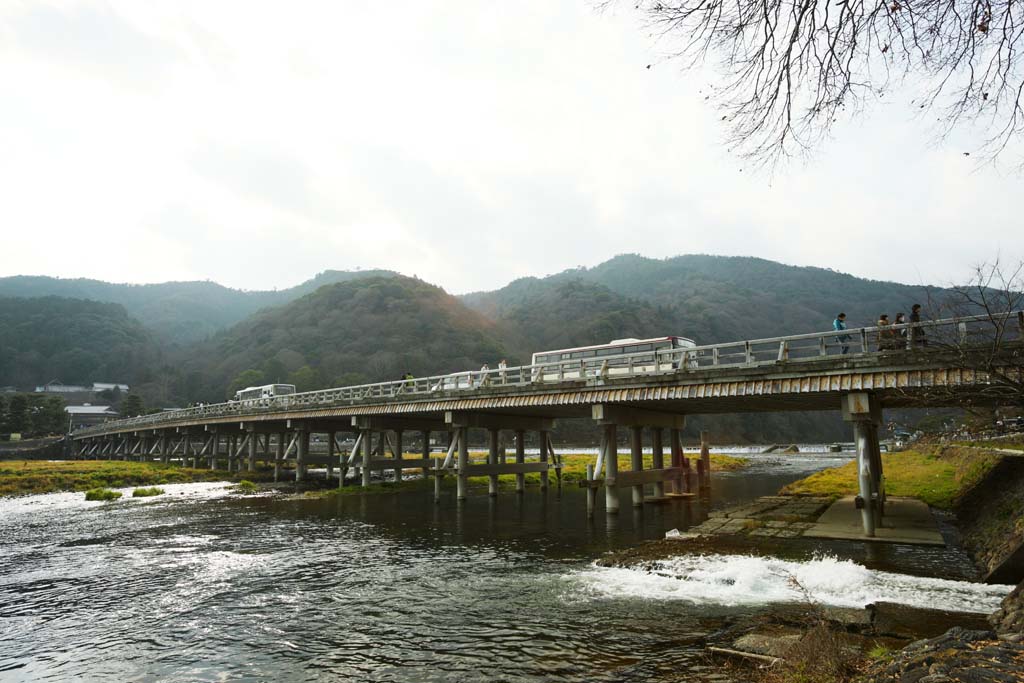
(282, 443)
(253, 444)
(611, 467)
(657, 460)
(520, 459)
(462, 478)
(614, 415)
(544, 456)
(865, 412)
(367, 444)
(301, 450)
(636, 461)
(492, 459)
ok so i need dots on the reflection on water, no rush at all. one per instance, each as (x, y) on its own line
(197, 585)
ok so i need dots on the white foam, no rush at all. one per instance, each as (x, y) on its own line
(738, 580)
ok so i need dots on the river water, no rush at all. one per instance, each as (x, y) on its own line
(199, 585)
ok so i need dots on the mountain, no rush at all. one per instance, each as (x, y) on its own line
(723, 298)
(76, 341)
(540, 315)
(177, 312)
(364, 330)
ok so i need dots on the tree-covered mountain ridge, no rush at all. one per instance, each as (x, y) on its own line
(178, 312)
(721, 298)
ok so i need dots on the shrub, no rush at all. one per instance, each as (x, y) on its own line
(246, 487)
(102, 494)
(147, 492)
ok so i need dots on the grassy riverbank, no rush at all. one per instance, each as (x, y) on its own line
(23, 477)
(936, 475)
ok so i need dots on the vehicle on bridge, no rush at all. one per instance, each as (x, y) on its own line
(619, 356)
(265, 391)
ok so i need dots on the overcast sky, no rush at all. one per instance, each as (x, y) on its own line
(468, 143)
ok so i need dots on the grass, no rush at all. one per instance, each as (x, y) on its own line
(937, 476)
(147, 492)
(24, 477)
(102, 494)
(245, 487)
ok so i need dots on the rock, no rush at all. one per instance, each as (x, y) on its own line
(851, 618)
(892, 619)
(1010, 616)
(772, 643)
(957, 656)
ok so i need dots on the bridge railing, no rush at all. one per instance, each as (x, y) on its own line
(920, 337)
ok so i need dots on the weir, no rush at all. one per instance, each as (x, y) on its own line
(648, 393)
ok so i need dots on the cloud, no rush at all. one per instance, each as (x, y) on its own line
(469, 144)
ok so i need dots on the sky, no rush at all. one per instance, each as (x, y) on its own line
(466, 143)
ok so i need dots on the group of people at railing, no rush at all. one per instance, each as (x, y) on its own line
(890, 334)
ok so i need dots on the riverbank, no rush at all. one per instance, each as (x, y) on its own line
(983, 489)
(25, 477)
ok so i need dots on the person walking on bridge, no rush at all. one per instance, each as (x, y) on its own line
(839, 324)
(885, 333)
(917, 332)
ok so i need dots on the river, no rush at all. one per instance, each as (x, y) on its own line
(199, 585)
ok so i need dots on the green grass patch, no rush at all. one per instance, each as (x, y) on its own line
(102, 494)
(147, 492)
(23, 477)
(936, 476)
(245, 487)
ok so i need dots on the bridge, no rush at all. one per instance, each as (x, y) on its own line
(858, 371)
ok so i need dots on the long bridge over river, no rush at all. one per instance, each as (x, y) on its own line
(936, 363)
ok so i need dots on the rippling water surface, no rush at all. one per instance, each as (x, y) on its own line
(199, 586)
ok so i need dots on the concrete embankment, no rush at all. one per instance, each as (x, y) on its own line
(33, 449)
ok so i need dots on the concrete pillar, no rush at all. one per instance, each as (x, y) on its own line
(251, 465)
(282, 444)
(520, 458)
(658, 460)
(865, 476)
(330, 455)
(492, 459)
(463, 476)
(543, 437)
(398, 455)
(677, 459)
(865, 412)
(302, 452)
(591, 493)
(426, 451)
(636, 460)
(367, 454)
(164, 455)
(704, 470)
(611, 491)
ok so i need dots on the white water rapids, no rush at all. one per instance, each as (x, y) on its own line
(738, 580)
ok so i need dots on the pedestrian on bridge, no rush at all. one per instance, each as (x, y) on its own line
(839, 324)
(886, 338)
(917, 333)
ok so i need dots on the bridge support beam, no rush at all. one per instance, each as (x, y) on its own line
(611, 467)
(492, 459)
(367, 455)
(462, 479)
(253, 444)
(542, 436)
(520, 459)
(636, 461)
(865, 412)
(657, 460)
(301, 451)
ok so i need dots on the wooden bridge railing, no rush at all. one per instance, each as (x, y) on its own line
(921, 337)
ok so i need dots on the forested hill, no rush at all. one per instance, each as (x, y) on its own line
(178, 312)
(365, 330)
(720, 298)
(78, 342)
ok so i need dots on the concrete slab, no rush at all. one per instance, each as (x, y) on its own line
(906, 521)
